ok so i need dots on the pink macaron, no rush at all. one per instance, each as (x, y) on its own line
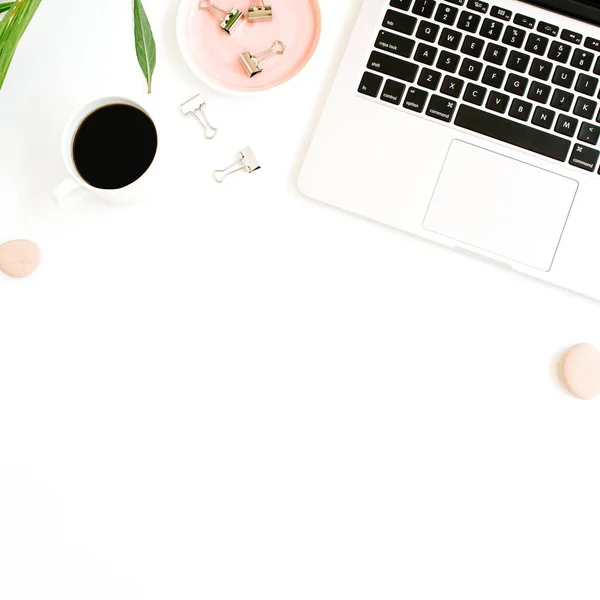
(580, 371)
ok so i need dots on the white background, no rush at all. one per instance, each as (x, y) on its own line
(230, 392)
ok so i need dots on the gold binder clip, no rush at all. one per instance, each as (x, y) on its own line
(247, 162)
(195, 107)
(260, 12)
(233, 17)
(253, 62)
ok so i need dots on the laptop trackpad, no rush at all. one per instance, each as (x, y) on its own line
(501, 205)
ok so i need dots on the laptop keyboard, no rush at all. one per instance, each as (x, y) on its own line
(492, 72)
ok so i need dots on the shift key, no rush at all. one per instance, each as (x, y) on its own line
(394, 67)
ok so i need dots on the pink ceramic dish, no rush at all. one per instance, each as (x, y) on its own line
(213, 55)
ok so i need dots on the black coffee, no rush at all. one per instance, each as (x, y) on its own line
(114, 146)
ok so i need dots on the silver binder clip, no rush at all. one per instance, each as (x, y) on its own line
(260, 12)
(195, 107)
(253, 62)
(233, 17)
(246, 163)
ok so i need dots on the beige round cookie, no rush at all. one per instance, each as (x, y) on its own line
(581, 371)
(19, 258)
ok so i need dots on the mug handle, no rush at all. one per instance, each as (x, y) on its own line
(68, 193)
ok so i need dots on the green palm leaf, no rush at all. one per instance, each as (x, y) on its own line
(145, 46)
(12, 28)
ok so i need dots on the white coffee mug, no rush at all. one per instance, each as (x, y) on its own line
(75, 187)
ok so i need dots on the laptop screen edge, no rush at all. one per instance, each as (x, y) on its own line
(584, 10)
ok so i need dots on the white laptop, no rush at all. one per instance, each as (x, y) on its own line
(473, 124)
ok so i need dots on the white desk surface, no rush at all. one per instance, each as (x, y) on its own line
(234, 392)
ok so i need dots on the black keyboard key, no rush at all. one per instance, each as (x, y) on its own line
(396, 44)
(563, 77)
(520, 109)
(562, 100)
(524, 21)
(582, 59)
(548, 29)
(399, 22)
(415, 99)
(429, 78)
(428, 31)
(560, 52)
(571, 36)
(497, 102)
(448, 61)
(394, 67)
(539, 92)
(501, 13)
(543, 117)
(446, 14)
(541, 69)
(472, 46)
(597, 67)
(515, 37)
(592, 43)
(450, 39)
(452, 86)
(584, 158)
(495, 54)
(516, 84)
(491, 29)
(493, 77)
(510, 132)
(585, 108)
(393, 92)
(566, 125)
(474, 94)
(370, 84)
(424, 8)
(537, 44)
(457, 2)
(517, 61)
(401, 4)
(481, 7)
(589, 133)
(425, 54)
(441, 108)
(586, 84)
(471, 69)
(469, 22)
